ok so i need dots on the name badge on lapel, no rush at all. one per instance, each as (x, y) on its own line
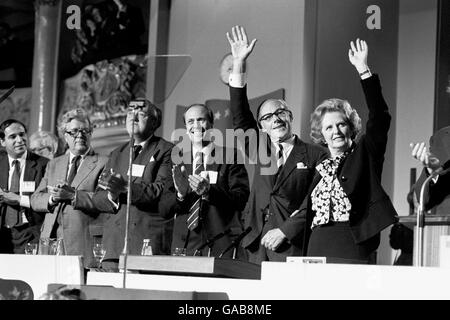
(137, 170)
(28, 186)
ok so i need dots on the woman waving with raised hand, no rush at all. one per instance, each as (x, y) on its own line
(347, 207)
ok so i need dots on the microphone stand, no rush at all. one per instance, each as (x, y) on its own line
(127, 216)
(210, 242)
(234, 244)
(421, 221)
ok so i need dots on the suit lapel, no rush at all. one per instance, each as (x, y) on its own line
(30, 168)
(213, 165)
(89, 163)
(188, 166)
(297, 155)
(148, 154)
(61, 168)
(4, 172)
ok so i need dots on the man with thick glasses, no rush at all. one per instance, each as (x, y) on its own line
(65, 192)
(151, 166)
(275, 193)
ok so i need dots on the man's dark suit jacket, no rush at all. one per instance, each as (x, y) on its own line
(15, 239)
(360, 176)
(145, 221)
(435, 193)
(282, 195)
(222, 209)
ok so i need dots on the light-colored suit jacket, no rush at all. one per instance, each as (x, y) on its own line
(76, 216)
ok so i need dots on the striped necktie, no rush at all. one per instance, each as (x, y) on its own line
(194, 210)
(280, 158)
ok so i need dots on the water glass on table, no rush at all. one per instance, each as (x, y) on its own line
(31, 248)
(181, 252)
(99, 252)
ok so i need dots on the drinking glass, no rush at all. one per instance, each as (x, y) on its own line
(179, 252)
(31, 248)
(51, 246)
(99, 252)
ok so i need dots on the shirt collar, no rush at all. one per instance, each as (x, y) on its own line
(142, 144)
(287, 143)
(71, 155)
(206, 150)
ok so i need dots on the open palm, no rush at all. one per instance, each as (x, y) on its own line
(357, 54)
(240, 48)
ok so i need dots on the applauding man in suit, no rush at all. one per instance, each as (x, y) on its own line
(276, 192)
(65, 193)
(150, 168)
(21, 171)
(208, 191)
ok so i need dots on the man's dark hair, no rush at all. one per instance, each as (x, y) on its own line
(5, 124)
(152, 110)
(209, 112)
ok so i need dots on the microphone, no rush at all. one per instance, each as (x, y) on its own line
(441, 170)
(211, 241)
(236, 242)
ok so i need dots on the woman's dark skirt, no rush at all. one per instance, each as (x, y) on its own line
(335, 241)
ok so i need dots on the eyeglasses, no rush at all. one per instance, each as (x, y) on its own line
(74, 132)
(279, 113)
(139, 112)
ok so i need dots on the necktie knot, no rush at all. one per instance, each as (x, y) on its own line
(137, 149)
(16, 164)
(75, 160)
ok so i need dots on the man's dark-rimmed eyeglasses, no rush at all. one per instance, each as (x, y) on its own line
(75, 132)
(279, 113)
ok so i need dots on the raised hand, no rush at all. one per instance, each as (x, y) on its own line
(420, 152)
(357, 54)
(240, 48)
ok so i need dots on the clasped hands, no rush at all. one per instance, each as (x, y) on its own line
(428, 160)
(113, 182)
(185, 183)
(273, 239)
(61, 192)
(9, 198)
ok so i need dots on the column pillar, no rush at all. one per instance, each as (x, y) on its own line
(45, 65)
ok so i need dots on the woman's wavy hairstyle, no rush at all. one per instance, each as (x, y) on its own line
(334, 105)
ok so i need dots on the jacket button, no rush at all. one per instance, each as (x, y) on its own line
(344, 178)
